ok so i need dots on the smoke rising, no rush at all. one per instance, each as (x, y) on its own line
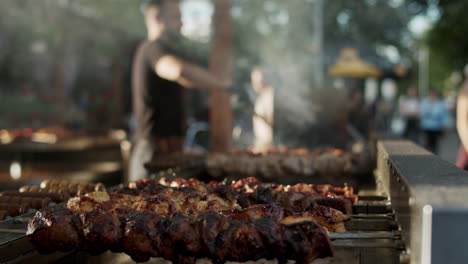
(305, 115)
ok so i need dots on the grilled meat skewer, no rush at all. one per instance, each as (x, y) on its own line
(182, 239)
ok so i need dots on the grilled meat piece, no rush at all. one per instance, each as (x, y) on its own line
(295, 201)
(305, 241)
(343, 205)
(242, 242)
(258, 211)
(82, 204)
(55, 228)
(159, 205)
(102, 231)
(140, 232)
(331, 219)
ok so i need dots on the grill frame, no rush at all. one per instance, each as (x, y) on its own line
(429, 197)
(413, 213)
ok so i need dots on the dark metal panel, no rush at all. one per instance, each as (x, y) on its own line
(450, 243)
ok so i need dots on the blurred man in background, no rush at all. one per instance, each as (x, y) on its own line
(158, 78)
(435, 119)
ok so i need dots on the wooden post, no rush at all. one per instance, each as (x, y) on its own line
(221, 115)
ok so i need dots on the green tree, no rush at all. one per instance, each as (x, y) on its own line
(448, 42)
(450, 34)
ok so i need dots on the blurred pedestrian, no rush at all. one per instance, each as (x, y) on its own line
(264, 110)
(435, 119)
(409, 110)
(462, 123)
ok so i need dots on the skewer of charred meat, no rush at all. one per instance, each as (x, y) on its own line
(250, 234)
(276, 164)
(51, 192)
(169, 202)
(250, 191)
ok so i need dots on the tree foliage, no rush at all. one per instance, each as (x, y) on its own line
(280, 34)
(89, 37)
(447, 42)
(449, 37)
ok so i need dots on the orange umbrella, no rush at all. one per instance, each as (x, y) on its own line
(350, 65)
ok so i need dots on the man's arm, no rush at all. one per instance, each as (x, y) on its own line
(175, 69)
(462, 115)
(189, 75)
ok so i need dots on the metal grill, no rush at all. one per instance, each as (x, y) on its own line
(416, 214)
(372, 233)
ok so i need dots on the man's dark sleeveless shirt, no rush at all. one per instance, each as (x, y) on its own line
(157, 102)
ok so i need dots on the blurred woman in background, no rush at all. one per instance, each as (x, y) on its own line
(435, 119)
(264, 110)
(462, 123)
